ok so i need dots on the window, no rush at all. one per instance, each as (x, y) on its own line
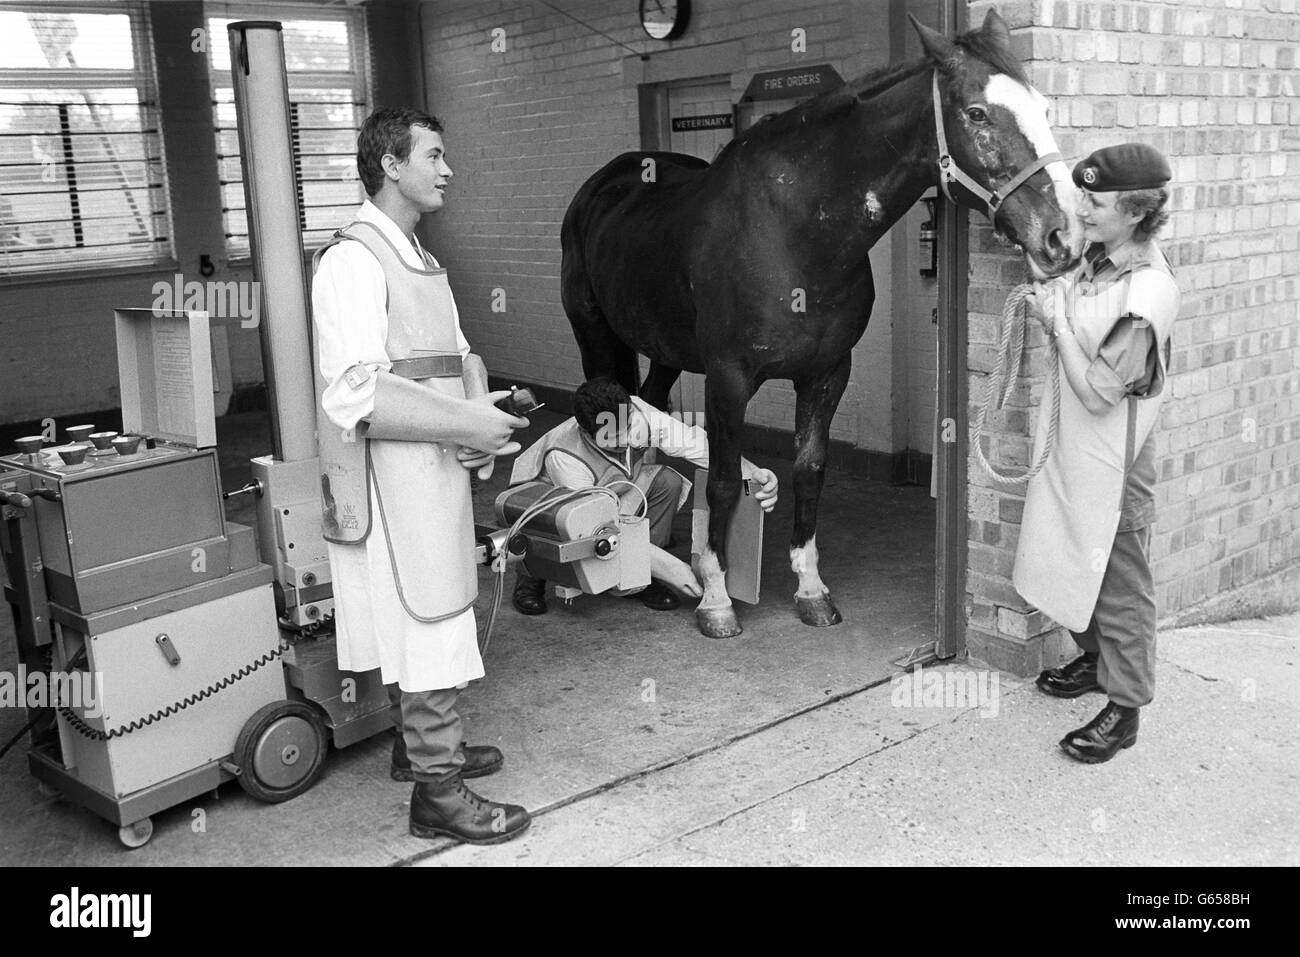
(81, 168)
(324, 52)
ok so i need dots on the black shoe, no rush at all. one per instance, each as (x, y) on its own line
(451, 809)
(1070, 680)
(480, 761)
(1114, 729)
(530, 595)
(658, 597)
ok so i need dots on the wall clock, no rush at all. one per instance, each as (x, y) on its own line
(665, 19)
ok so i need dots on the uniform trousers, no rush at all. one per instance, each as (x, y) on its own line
(431, 728)
(1122, 632)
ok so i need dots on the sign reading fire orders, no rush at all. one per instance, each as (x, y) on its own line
(793, 82)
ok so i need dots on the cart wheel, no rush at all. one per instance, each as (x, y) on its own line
(281, 751)
(137, 834)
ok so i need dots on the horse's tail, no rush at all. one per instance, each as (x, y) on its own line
(603, 352)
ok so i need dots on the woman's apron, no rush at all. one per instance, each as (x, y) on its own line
(1072, 506)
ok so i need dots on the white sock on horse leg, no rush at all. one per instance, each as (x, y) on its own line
(803, 562)
(713, 579)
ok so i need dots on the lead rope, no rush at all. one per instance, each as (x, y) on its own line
(1011, 350)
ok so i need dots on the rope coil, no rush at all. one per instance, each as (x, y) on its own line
(1005, 377)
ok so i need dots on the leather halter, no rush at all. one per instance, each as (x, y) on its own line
(950, 172)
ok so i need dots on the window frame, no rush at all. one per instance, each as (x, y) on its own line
(360, 80)
(143, 79)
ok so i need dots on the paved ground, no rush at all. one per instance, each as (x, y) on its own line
(636, 741)
(1212, 780)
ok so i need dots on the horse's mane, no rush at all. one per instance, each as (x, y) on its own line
(976, 43)
(872, 82)
(997, 55)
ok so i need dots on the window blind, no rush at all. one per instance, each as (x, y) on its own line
(82, 180)
(328, 100)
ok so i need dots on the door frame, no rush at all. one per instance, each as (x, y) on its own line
(951, 527)
(652, 108)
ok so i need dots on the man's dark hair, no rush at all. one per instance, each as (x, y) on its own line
(595, 396)
(388, 131)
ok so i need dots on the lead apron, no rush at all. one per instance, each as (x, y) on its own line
(1072, 506)
(419, 497)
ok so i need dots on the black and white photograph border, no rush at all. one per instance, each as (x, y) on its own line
(980, 550)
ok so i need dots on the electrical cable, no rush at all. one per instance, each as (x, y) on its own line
(85, 730)
(544, 504)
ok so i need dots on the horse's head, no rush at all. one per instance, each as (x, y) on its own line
(996, 131)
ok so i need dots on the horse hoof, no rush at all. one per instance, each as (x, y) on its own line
(717, 622)
(818, 612)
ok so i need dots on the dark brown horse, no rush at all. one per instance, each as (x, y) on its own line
(755, 267)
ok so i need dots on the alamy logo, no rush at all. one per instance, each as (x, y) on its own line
(36, 689)
(947, 689)
(75, 910)
(220, 300)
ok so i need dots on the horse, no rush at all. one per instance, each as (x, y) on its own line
(755, 266)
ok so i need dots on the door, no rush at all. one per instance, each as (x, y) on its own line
(699, 121)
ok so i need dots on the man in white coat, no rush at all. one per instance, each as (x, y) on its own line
(406, 414)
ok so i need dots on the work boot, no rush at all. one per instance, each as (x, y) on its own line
(530, 594)
(658, 597)
(480, 760)
(1114, 729)
(1070, 680)
(451, 809)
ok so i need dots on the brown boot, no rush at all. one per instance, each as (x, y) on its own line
(450, 809)
(1114, 729)
(530, 594)
(480, 760)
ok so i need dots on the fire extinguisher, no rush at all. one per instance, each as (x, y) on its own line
(929, 242)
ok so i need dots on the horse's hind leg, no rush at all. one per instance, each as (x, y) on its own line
(603, 352)
(815, 404)
(658, 383)
(727, 391)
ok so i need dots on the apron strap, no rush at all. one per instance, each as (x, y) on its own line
(1129, 441)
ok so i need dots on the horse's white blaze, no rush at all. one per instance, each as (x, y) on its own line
(1029, 107)
(803, 562)
(714, 581)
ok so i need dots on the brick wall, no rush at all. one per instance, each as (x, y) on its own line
(527, 126)
(1214, 86)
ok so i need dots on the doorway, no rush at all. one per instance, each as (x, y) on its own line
(696, 117)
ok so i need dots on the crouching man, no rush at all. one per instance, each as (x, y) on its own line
(613, 437)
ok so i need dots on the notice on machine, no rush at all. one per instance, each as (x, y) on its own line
(173, 377)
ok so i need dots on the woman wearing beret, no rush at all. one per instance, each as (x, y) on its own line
(1082, 556)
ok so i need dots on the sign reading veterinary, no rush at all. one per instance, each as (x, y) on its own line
(709, 121)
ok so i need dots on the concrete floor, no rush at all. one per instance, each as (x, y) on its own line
(863, 781)
(585, 700)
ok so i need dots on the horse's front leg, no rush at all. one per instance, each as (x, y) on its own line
(815, 402)
(726, 393)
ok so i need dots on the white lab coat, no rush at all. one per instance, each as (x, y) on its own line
(374, 630)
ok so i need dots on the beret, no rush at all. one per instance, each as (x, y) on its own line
(1126, 166)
